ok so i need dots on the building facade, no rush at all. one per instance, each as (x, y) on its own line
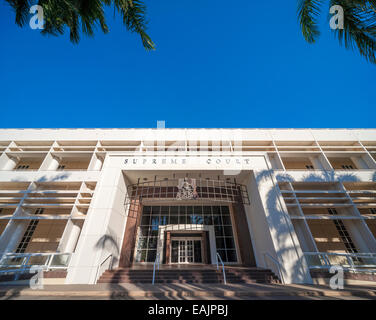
(81, 201)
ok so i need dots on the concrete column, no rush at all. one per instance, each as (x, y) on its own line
(275, 162)
(303, 234)
(371, 163)
(359, 162)
(316, 163)
(361, 235)
(325, 162)
(73, 237)
(98, 164)
(11, 164)
(12, 235)
(53, 164)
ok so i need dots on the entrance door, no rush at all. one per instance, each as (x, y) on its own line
(186, 251)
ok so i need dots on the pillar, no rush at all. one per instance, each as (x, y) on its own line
(11, 164)
(54, 164)
(73, 237)
(12, 235)
(316, 163)
(97, 164)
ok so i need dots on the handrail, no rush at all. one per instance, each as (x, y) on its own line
(48, 262)
(223, 267)
(23, 266)
(5, 254)
(326, 263)
(276, 262)
(155, 262)
(100, 265)
(364, 255)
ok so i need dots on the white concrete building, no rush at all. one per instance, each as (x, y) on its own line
(81, 201)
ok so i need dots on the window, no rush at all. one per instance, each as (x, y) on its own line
(332, 211)
(343, 234)
(61, 167)
(27, 236)
(22, 167)
(372, 210)
(39, 211)
(347, 167)
(309, 167)
(155, 216)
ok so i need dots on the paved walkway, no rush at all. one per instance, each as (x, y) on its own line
(188, 291)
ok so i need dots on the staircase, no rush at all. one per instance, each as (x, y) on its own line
(207, 274)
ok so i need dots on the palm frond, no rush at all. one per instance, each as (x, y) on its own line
(21, 8)
(84, 16)
(134, 13)
(359, 27)
(308, 12)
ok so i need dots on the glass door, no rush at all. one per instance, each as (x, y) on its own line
(197, 251)
(189, 251)
(186, 251)
(182, 251)
(174, 251)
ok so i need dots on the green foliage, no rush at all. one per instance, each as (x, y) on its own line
(359, 24)
(84, 16)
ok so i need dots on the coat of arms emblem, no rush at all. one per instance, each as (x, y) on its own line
(187, 189)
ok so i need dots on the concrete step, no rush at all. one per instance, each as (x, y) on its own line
(172, 276)
(133, 272)
(148, 291)
(233, 275)
(196, 272)
(188, 281)
(257, 270)
(148, 280)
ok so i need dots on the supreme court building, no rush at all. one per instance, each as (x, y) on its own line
(85, 204)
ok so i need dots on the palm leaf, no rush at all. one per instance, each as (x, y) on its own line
(359, 24)
(84, 16)
(308, 12)
(359, 27)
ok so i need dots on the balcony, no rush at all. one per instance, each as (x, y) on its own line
(342, 164)
(304, 161)
(20, 161)
(351, 161)
(59, 161)
(297, 164)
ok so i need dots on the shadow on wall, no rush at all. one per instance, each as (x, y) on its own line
(324, 176)
(108, 242)
(59, 177)
(281, 218)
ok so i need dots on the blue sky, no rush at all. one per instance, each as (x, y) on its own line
(217, 64)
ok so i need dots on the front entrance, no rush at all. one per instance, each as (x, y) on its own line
(186, 234)
(186, 250)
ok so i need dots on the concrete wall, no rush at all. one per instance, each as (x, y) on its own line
(272, 230)
(102, 232)
(192, 134)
